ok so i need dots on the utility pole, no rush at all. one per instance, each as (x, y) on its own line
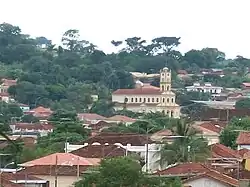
(56, 171)
(78, 167)
(147, 151)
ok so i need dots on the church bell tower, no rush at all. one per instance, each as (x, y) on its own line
(165, 80)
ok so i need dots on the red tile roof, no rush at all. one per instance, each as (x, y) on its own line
(246, 84)
(90, 116)
(50, 170)
(215, 175)
(243, 138)
(214, 127)
(122, 138)
(33, 126)
(183, 169)
(138, 91)
(183, 72)
(221, 151)
(8, 82)
(63, 159)
(100, 151)
(121, 118)
(244, 153)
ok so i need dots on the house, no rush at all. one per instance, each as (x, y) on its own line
(66, 167)
(243, 140)
(22, 180)
(6, 83)
(5, 97)
(210, 130)
(225, 157)
(211, 178)
(40, 112)
(245, 85)
(39, 128)
(206, 88)
(24, 107)
(197, 175)
(90, 118)
(121, 119)
(149, 98)
(130, 142)
(99, 126)
(100, 151)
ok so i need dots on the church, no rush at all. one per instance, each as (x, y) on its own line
(145, 98)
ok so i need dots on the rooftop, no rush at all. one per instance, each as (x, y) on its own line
(62, 159)
(122, 138)
(138, 91)
(121, 118)
(215, 175)
(33, 126)
(221, 151)
(243, 138)
(90, 116)
(100, 151)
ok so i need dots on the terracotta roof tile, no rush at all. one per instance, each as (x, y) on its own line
(122, 138)
(33, 126)
(63, 159)
(100, 151)
(221, 151)
(41, 109)
(247, 84)
(50, 170)
(90, 116)
(215, 175)
(139, 91)
(245, 153)
(121, 118)
(8, 82)
(243, 138)
(211, 127)
(184, 169)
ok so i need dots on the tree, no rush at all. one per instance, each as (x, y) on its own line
(243, 103)
(188, 147)
(124, 171)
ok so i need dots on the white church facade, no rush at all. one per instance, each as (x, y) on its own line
(145, 98)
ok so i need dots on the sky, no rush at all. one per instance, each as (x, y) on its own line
(222, 24)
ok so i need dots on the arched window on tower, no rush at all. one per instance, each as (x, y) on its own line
(172, 100)
(162, 87)
(163, 100)
(167, 100)
(167, 88)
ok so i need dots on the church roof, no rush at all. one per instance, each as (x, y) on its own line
(138, 91)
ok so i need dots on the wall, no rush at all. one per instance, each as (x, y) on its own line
(205, 182)
(62, 181)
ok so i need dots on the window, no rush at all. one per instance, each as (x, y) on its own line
(140, 100)
(168, 88)
(172, 100)
(172, 113)
(144, 100)
(148, 100)
(153, 100)
(157, 100)
(162, 87)
(136, 100)
(132, 100)
(167, 100)
(125, 100)
(163, 100)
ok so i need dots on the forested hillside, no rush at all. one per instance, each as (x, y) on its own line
(66, 76)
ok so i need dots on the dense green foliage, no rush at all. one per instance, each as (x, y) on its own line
(123, 172)
(66, 76)
(243, 103)
(230, 133)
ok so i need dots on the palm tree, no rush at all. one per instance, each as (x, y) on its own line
(186, 147)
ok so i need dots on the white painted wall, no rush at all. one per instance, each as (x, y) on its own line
(206, 182)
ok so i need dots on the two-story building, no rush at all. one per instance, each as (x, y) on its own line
(147, 98)
(206, 88)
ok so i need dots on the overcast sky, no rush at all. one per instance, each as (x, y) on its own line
(223, 24)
